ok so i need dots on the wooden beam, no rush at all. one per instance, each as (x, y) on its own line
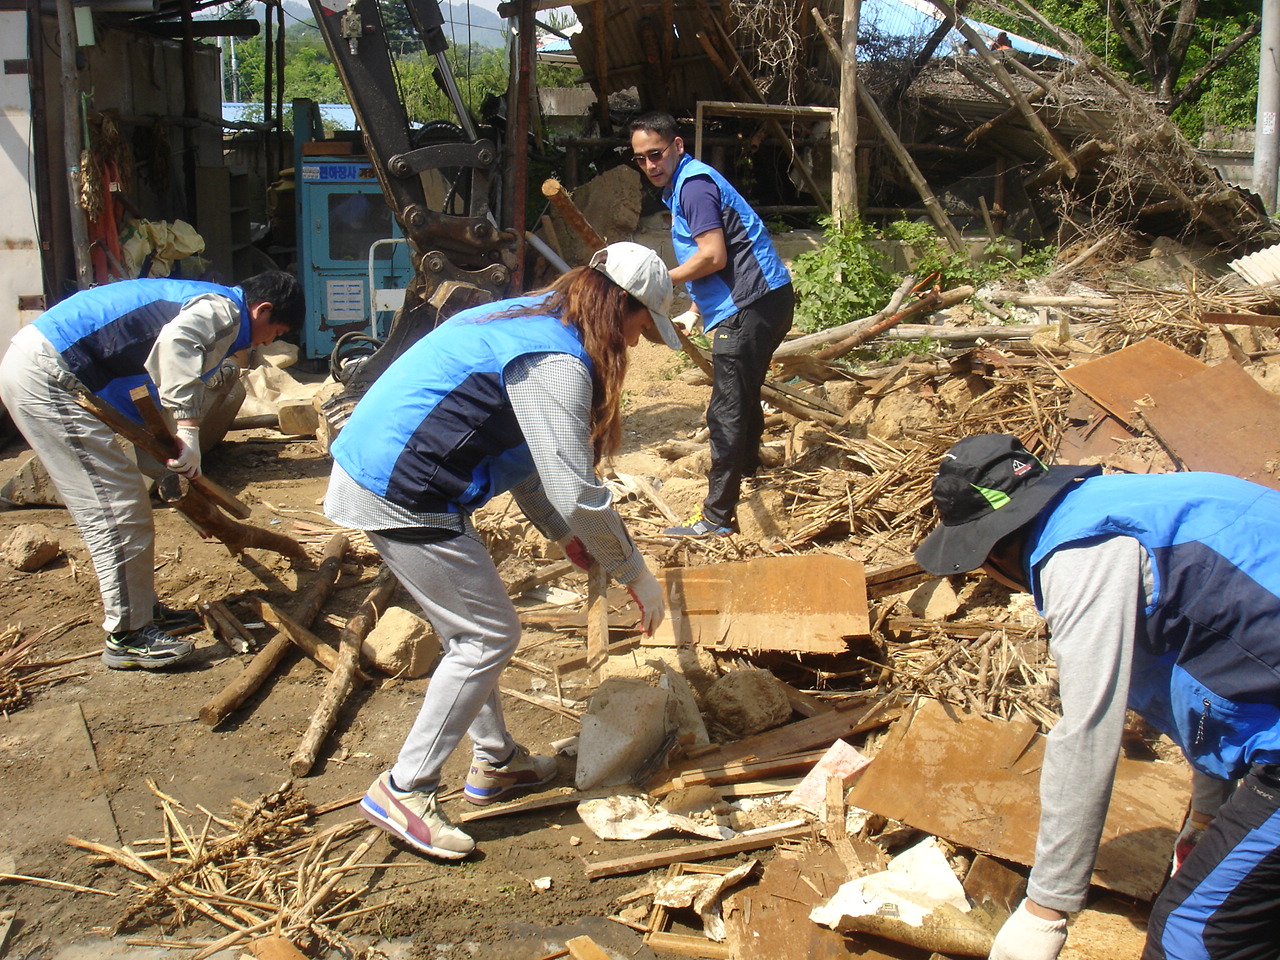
(927, 196)
(701, 851)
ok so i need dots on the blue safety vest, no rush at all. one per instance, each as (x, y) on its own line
(106, 334)
(754, 267)
(436, 432)
(1206, 665)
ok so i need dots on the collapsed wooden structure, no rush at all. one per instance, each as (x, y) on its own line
(978, 140)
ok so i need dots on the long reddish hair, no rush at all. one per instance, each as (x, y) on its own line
(584, 298)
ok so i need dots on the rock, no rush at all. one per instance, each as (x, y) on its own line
(30, 547)
(625, 726)
(746, 702)
(401, 644)
(30, 486)
(934, 600)
(689, 722)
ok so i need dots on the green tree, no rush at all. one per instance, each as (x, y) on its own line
(1183, 51)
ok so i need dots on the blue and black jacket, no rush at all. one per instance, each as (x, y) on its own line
(1206, 669)
(754, 267)
(436, 432)
(106, 334)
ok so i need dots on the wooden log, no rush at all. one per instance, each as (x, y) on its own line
(315, 648)
(228, 628)
(310, 599)
(925, 305)
(811, 341)
(212, 522)
(143, 440)
(1081, 158)
(569, 212)
(345, 674)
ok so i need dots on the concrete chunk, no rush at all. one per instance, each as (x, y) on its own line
(626, 725)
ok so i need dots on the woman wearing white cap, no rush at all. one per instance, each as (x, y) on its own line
(520, 395)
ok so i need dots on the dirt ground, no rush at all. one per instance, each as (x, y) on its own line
(142, 726)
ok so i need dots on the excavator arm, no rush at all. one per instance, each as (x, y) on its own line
(460, 256)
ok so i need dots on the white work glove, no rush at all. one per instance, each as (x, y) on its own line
(687, 321)
(1027, 937)
(576, 552)
(647, 593)
(187, 462)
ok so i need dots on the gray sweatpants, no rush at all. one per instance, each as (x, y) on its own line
(458, 587)
(97, 480)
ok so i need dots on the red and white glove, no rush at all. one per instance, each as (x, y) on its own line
(1188, 837)
(647, 593)
(187, 462)
(576, 552)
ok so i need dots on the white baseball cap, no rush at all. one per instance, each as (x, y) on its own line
(641, 272)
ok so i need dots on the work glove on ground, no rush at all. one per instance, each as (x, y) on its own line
(576, 552)
(647, 593)
(187, 462)
(1027, 937)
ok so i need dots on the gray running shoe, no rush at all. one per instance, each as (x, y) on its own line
(147, 648)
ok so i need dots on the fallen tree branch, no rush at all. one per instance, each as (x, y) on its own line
(345, 674)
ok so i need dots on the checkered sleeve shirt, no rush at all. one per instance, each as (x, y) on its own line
(551, 396)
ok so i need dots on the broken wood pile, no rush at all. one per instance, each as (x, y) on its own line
(266, 867)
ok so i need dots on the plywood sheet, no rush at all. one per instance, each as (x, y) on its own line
(779, 927)
(806, 604)
(1120, 382)
(976, 782)
(1222, 420)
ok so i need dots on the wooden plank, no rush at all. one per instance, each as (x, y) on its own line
(802, 604)
(584, 948)
(699, 851)
(597, 621)
(1222, 420)
(778, 923)
(1121, 381)
(809, 734)
(975, 782)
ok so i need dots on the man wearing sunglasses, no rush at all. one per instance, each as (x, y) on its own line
(741, 290)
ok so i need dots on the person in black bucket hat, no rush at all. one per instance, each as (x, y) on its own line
(1162, 594)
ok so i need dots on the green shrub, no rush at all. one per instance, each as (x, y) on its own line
(847, 277)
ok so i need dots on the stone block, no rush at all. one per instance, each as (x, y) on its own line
(401, 644)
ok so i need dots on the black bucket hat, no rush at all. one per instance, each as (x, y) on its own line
(986, 488)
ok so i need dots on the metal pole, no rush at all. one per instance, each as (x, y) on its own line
(73, 140)
(1266, 139)
(520, 135)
